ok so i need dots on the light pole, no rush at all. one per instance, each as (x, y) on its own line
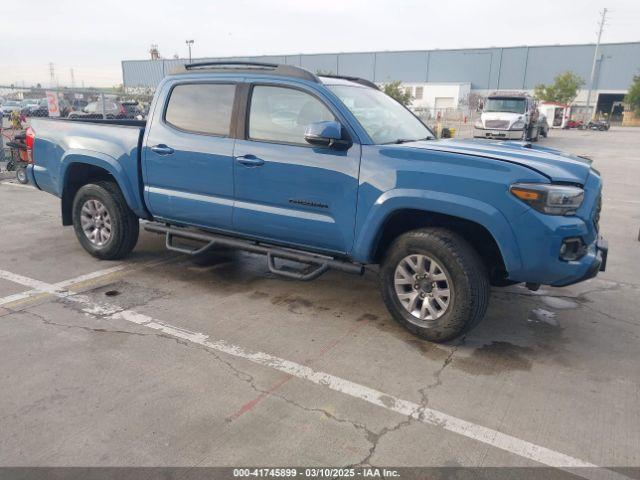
(189, 43)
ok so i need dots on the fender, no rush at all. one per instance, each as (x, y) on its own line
(108, 163)
(439, 202)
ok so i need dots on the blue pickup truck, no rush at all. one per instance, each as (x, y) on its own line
(325, 172)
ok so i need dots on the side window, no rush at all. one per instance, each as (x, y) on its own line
(201, 108)
(280, 114)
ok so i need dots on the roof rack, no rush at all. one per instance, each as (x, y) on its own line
(361, 81)
(235, 66)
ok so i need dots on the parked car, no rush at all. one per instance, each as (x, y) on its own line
(28, 105)
(94, 110)
(331, 173)
(78, 105)
(42, 108)
(10, 106)
(508, 116)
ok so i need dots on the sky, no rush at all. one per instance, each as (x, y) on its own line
(93, 36)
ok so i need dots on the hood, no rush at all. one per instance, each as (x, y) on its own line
(553, 164)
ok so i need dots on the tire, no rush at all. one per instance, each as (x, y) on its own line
(466, 279)
(123, 225)
(21, 175)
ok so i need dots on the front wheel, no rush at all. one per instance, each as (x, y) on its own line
(104, 224)
(434, 284)
(21, 175)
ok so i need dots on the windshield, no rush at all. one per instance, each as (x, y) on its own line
(384, 119)
(511, 105)
(11, 103)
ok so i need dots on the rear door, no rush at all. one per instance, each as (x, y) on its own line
(286, 190)
(188, 155)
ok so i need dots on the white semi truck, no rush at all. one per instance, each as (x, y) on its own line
(509, 116)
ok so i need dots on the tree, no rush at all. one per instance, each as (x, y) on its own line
(633, 97)
(394, 90)
(564, 88)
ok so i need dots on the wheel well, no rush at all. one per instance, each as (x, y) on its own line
(478, 236)
(78, 175)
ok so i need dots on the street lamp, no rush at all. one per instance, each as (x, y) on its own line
(189, 43)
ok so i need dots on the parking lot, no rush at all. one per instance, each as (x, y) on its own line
(164, 359)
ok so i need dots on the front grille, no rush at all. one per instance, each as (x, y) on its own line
(496, 124)
(596, 212)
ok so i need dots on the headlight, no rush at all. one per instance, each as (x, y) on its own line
(549, 199)
(519, 125)
(478, 124)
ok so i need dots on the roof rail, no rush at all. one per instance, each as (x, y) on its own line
(361, 81)
(235, 66)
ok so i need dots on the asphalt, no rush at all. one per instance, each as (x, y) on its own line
(212, 361)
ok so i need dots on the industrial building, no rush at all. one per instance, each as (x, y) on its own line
(446, 78)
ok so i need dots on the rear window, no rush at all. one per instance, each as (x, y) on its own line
(201, 108)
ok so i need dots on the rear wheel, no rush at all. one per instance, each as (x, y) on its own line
(434, 284)
(104, 224)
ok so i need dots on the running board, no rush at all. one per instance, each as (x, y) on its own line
(316, 264)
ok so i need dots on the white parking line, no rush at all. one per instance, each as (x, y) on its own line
(41, 287)
(418, 412)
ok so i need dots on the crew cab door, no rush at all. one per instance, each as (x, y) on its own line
(188, 155)
(287, 190)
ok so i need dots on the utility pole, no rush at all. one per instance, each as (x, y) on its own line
(593, 65)
(73, 80)
(189, 43)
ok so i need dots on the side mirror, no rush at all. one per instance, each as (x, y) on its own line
(326, 134)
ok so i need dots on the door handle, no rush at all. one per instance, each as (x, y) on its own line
(162, 149)
(249, 160)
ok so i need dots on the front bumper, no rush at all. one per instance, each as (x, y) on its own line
(497, 134)
(540, 239)
(598, 264)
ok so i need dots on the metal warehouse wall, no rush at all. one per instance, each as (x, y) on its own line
(486, 69)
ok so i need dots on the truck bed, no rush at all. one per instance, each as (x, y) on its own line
(112, 145)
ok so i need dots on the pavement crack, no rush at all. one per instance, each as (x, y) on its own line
(416, 415)
(45, 321)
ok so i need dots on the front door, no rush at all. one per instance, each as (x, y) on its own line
(188, 156)
(286, 190)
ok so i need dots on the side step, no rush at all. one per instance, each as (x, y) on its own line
(316, 264)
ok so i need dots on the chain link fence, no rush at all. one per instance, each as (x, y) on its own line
(19, 105)
(449, 122)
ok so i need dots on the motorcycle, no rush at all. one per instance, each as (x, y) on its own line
(574, 124)
(600, 125)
